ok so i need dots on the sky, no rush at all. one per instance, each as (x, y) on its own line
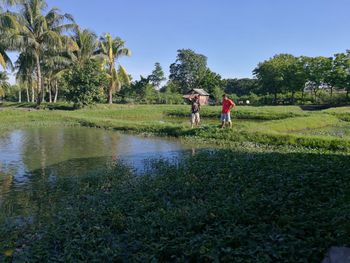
(235, 35)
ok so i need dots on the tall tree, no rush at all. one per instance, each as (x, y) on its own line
(25, 66)
(270, 77)
(316, 69)
(211, 82)
(342, 67)
(282, 73)
(84, 44)
(36, 33)
(111, 49)
(188, 69)
(157, 75)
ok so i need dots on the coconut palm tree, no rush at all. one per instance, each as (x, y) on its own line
(37, 33)
(82, 46)
(110, 49)
(25, 67)
(5, 60)
(4, 85)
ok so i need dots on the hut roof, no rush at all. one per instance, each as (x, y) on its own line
(198, 91)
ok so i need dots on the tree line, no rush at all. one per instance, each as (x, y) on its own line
(58, 60)
(51, 48)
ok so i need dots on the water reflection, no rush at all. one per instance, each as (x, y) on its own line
(43, 154)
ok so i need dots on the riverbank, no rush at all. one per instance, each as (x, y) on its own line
(280, 125)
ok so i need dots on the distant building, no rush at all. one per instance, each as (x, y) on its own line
(203, 95)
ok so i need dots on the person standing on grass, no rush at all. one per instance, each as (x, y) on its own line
(227, 105)
(195, 108)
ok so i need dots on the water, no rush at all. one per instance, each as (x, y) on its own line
(29, 156)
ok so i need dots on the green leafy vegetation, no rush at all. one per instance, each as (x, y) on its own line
(244, 208)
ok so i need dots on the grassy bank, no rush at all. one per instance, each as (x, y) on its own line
(264, 125)
(244, 208)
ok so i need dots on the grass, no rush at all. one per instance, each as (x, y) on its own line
(265, 125)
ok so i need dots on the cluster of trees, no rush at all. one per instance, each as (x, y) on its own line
(283, 78)
(285, 73)
(52, 48)
(55, 54)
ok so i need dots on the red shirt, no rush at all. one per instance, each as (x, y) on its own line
(226, 105)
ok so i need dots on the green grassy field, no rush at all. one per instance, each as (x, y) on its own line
(279, 191)
(281, 125)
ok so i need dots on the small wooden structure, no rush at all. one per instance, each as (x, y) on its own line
(203, 95)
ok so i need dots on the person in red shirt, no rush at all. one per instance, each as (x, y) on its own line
(227, 105)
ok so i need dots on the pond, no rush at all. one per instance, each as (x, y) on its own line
(37, 154)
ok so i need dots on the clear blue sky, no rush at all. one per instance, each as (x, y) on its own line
(234, 34)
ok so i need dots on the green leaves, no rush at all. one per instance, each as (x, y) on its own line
(240, 208)
(85, 84)
(188, 69)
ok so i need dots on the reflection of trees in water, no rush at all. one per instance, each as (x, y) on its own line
(48, 154)
(27, 201)
(5, 185)
(55, 145)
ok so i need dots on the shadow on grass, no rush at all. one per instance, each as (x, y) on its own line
(30, 105)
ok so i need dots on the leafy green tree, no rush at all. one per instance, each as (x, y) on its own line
(282, 73)
(188, 69)
(316, 69)
(211, 81)
(342, 68)
(241, 87)
(157, 75)
(171, 86)
(270, 77)
(110, 49)
(85, 83)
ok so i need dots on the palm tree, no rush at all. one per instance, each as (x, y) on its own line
(4, 85)
(83, 45)
(25, 67)
(5, 60)
(110, 50)
(37, 33)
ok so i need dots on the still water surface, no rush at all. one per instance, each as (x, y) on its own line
(29, 155)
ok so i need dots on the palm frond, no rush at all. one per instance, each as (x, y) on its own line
(124, 76)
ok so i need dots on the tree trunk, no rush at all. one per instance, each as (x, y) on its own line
(302, 97)
(50, 92)
(33, 92)
(43, 93)
(39, 80)
(332, 92)
(111, 85)
(315, 93)
(293, 94)
(56, 92)
(19, 96)
(110, 94)
(27, 93)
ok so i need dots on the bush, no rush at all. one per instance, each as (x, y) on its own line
(85, 84)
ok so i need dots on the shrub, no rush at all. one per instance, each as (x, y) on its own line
(85, 84)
